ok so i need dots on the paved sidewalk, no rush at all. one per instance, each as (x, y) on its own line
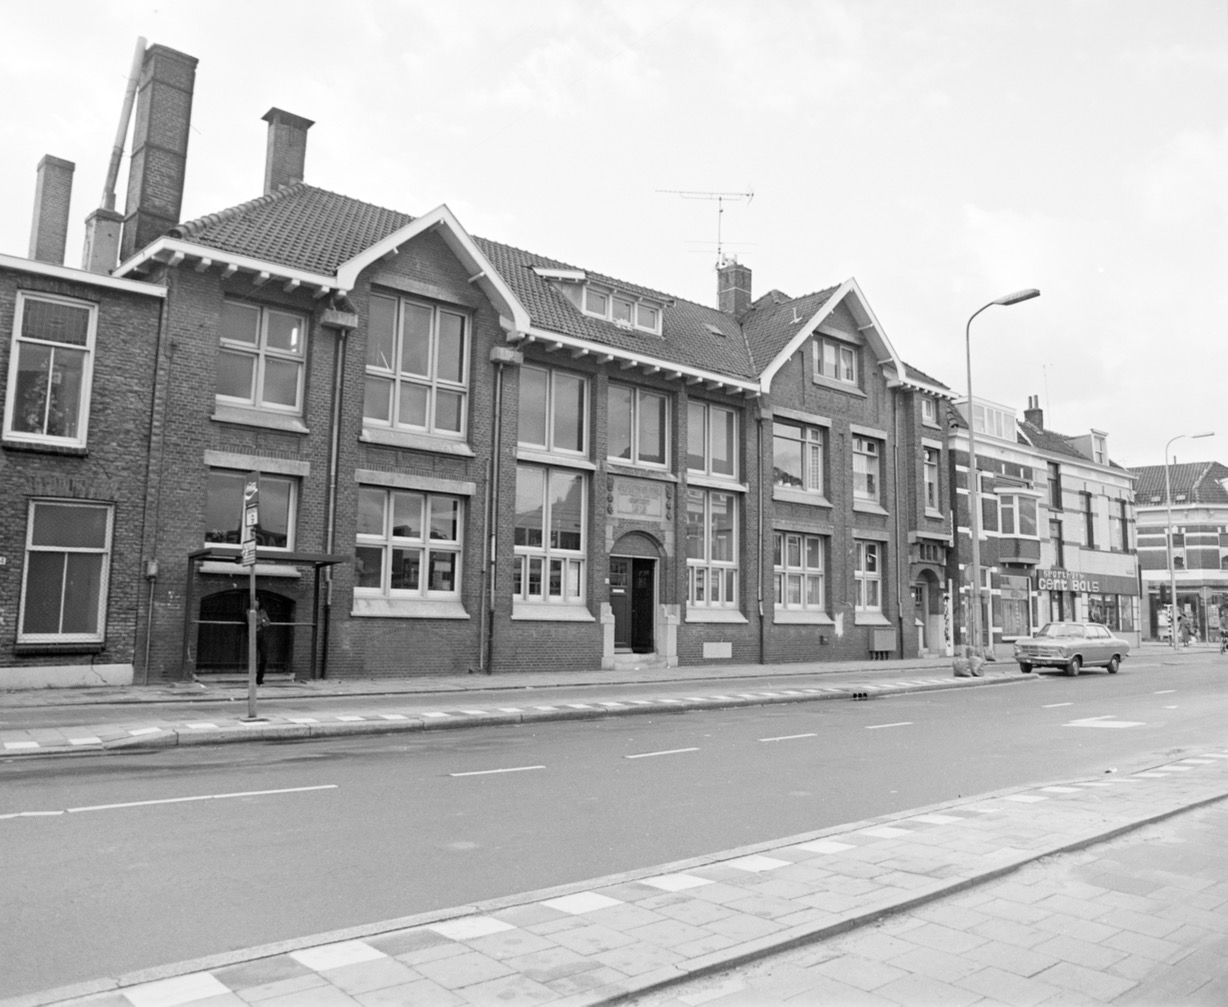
(444, 702)
(1129, 928)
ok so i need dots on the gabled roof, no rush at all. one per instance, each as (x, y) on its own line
(1196, 482)
(1049, 440)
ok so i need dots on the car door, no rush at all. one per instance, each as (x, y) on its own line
(1101, 644)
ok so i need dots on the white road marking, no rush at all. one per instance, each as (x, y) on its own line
(15, 745)
(487, 772)
(1169, 708)
(649, 755)
(902, 723)
(31, 814)
(1053, 706)
(393, 716)
(203, 797)
(790, 737)
(85, 741)
(1163, 692)
(1104, 721)
(348, 717)
(138, 731)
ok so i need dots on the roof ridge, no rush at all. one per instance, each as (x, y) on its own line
(190, 228)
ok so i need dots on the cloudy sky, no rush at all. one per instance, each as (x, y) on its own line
(942, 153)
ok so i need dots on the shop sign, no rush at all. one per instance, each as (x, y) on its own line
(1065, 580)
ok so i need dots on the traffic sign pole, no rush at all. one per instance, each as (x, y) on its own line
(251, 519)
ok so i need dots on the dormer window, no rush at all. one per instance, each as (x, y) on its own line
(624, 310)
(1099, 450)
(987, 420)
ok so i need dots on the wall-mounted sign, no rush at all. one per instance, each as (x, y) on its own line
(1085, 583)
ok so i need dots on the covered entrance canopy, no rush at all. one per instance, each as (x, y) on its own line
(317, 561)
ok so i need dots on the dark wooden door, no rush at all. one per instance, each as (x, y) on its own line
(643, 604)
(620, 601)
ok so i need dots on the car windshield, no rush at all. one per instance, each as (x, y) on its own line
(1053, 630)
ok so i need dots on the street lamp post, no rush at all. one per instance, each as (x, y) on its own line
(974, 499)
(1168, 537)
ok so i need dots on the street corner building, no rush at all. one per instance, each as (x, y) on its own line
(469, 457)
(1057, 527)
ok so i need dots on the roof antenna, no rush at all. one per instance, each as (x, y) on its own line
(721, 198)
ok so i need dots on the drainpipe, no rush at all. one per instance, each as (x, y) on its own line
(151, 568)
(759, 547)
(500, 356)
(334, 451)
(901, 536)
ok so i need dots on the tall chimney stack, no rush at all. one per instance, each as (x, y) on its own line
(733, 288)
(287, 149)
(1034, 414)
(159, 147)
(52, 195)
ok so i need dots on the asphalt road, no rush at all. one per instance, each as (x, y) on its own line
(155, 857)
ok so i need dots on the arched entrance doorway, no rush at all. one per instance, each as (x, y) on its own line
(221, 635)
(634, 573)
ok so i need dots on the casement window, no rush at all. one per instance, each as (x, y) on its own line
(260, 362)
(1055, 486)
(66, 571)
(1089, 521)
(1059, 546)
(408, 544)
(868, 577)
(224, 509)
(638, 427)
(1017, 516)
(930, 460)
(1119, 526)
(712, 548)
(799, 563)
(50, 369)
(549, 539)
(835, 361)
(712, 440)
(929, 410)
(1100, 452)
(417, 367)
(624, 310)
(987, 420)
(798, 457)
(553, 411)
(866, 469)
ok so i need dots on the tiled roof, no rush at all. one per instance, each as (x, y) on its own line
(920, 375)
(774, 319)
(1197, 482)
(1049, 440)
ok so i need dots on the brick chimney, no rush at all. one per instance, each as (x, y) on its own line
(287, 149)
(52, 194)
(733, 287)
(1034, 414)
(159, 147)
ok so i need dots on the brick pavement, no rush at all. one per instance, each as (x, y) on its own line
(1039, 895)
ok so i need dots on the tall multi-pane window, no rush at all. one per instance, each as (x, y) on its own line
(224, 509)
(64, 578)
(260, 361)
(1119, 526)
(866, 460)
(553, 411)
(408, 544)
(549, 535)
(835, 361)
(1055, 486)
(798, 563)
(868, 577)
(1017, 515)
(930, 461)
(417, 367)
(1089, 521)
(638, 428)
(48, 392)
(1059, 546)
(711, 440)
(798, 457)
(929, 410)
(711, 548)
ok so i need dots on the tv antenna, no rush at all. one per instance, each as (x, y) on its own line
(721, 199)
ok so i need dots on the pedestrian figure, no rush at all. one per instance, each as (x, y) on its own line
(262, 641)
(1183, 626)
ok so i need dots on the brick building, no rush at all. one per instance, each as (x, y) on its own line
(1057, 526)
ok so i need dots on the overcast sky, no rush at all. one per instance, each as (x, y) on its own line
(943, 153)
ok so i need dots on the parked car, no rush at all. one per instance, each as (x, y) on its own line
(1073, 646)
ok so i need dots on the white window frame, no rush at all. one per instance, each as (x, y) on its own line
(547, 559)
(638, 395)
(861, 449)
(634, 305)
(1012, 504)
(261, 353)
(552, 377)
(989, 421)
(265, 477)
(929, 409)
(77, 440)
(836, 360)
(704, 572)
(931, 460)
(694, 406)
(424, 544)
(792, 565)
(813, 446)
(104, 554)
(864, 578)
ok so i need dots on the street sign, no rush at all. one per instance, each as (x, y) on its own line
(251, 508)
(247, 557)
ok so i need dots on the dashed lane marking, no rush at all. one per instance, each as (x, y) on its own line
(901, 723)
(170, 800)
(489, 772)
(790, 737)
(1054, 706)
(1104, 721)
(670, 751)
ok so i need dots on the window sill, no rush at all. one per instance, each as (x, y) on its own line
(935, 515)
(624, 468)
(418, 442)
(726, 615)
(529, 611)
(870, 619)
(237, 569)
(249, 417)
(800, 617)
(716, 483)
(548, 458)
(867, 507)
(787, 494)
(46, 447)
(838, 386)
(31, 649)
(406, 608)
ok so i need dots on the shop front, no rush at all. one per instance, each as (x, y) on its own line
(1079, 596)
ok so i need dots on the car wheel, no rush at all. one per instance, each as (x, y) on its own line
(1025, 668)
(1073, 668)
(1114, 664)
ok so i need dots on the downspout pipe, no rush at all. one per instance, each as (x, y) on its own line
(334, 451)
(759, 549)
(151, 561)
(501, 357)
(901, 549)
